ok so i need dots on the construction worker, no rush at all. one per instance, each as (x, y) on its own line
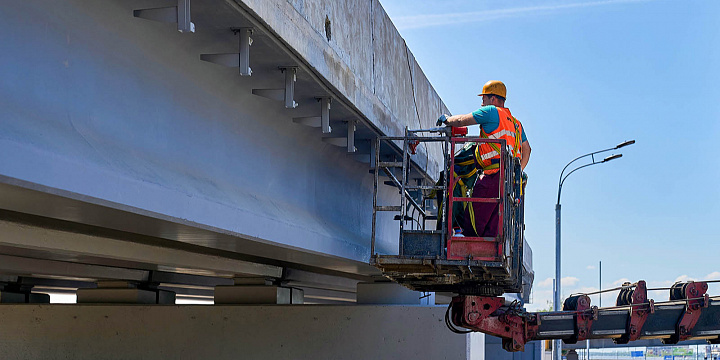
(495, 122)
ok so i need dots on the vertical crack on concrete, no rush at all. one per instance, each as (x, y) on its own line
(328, 30)
(372, 41)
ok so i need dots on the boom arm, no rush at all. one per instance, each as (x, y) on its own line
(689, 314)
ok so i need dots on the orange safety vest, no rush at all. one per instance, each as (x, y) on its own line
(509, 129)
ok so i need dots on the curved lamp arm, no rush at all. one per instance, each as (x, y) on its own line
(623, 144)
(592, 155)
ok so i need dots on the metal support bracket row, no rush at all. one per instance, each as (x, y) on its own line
(180, 14)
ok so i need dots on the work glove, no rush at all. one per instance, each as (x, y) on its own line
(441, 120)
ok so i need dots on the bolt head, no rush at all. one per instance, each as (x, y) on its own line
(473, 317)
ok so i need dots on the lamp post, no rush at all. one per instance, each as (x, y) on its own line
(563, 176)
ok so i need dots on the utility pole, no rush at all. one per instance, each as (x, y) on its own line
(557, 344)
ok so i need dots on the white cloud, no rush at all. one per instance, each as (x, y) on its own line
(584, 290)
(569, 281)
(658, 295)
(659, 284)
(566, 281)
(591, 267)
(684, 278)
(715, 275)
(619, 282)
(429, 20)
(545, 283)
(540, 300)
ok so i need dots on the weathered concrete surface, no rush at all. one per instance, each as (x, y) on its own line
(232, 332)
(366, 60)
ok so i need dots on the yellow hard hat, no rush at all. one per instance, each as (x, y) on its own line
(494, 87)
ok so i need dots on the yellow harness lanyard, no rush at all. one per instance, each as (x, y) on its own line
(517, 151)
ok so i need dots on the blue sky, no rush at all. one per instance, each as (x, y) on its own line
(583, 76)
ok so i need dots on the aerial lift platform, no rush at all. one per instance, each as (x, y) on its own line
(480, 269)
(435, 259)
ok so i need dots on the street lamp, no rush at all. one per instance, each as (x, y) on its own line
(563, 176)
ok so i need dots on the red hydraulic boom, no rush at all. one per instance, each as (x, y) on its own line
(689, 314)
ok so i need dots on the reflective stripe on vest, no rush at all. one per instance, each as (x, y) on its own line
(510, 130)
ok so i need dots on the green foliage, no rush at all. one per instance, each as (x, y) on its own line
(548, 307)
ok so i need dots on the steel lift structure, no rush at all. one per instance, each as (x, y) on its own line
(480, 269)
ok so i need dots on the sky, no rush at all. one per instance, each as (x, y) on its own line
(585, 75)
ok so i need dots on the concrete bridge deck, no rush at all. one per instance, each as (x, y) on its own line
(114, 127)
(138, 159)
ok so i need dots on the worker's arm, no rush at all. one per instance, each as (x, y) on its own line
(460, 120)
(524, 154)
(456, 120)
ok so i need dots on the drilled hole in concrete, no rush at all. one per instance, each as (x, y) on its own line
(328, 32)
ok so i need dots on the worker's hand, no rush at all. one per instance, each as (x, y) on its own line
(441, 120)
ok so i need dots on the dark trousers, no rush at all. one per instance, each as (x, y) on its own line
(486, 214)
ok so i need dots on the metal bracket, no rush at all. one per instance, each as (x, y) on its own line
(337, 141)
(351, 127)
(640, 307)
(584, 316)
(179, 14)
(474, 312)
(694, 294)
(312, 121)
(287, 94)
(290, 79)
(325, 114)
(244, 55)
(240, 60)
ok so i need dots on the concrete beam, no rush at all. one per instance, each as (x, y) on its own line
(230, 332)
(62, 242)
(25, 266)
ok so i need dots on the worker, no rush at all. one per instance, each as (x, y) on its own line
(495, 122)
